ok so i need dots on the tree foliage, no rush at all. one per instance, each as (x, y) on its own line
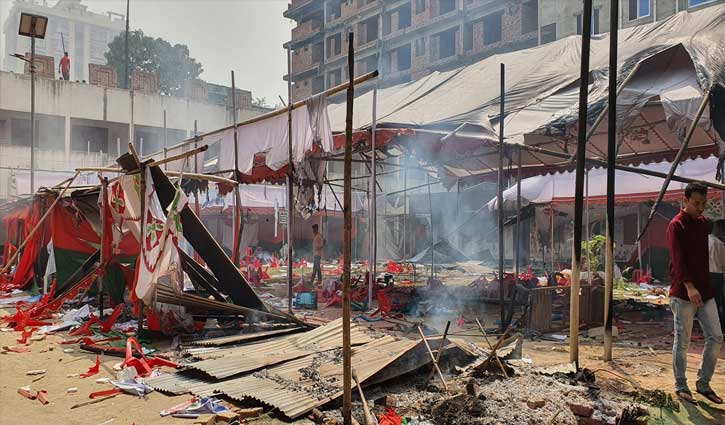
(171, 63)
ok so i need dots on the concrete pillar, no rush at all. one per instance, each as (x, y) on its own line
(67, 139)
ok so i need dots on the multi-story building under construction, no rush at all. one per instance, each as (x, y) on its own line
(407, 39)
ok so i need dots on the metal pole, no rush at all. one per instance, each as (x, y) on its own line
(166, 141)
(611, 162)
(586, 229)
(32, 110)
(499, 199)
(373, 203)
(678, 158)
(103, 259)
(236, 216)
(517, 238)
(405, 211)
(290, 171)
(126, 82)
(579, 186)
(142, 170)
(432, 233)
(347, 246)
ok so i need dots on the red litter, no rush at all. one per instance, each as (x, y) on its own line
(93, 369)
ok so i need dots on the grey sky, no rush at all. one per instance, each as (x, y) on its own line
(243, 35)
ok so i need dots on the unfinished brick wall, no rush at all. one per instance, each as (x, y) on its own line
(302, 59)
(244, 98)
(145, 82)
(511, 26)
(197, 90)
(348, 8)
(301, 89)
(44, 66)
(101, 75)
(419, 18)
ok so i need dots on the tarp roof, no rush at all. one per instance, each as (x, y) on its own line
(471, 94)
(630, 187)
(669, 62)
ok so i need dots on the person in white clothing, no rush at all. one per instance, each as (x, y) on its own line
(716, 245)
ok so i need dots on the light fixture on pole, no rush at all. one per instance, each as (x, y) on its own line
(33, 26)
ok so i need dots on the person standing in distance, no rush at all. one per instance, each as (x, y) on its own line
(318, 246)
(64, 67)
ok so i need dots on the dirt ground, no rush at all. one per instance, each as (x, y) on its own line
(646, 365)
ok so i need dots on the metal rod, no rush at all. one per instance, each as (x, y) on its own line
(611, 161)
(235, 213)
(517, 238)
(373, 204)
(347, 244)
(166, 142)
(579, 183)
(678, 158)
(290, 176)
(432, 234)
(440, 350)
(103, 259)
(37, 225)
(126, 79)
(499, 198)
(433, 359)
(142, 168)
(413, 188)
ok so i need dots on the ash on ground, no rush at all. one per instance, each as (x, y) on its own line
(526, 398)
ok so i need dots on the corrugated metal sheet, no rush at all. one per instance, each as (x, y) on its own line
(233, 361)
(299, 385)
(240, 339)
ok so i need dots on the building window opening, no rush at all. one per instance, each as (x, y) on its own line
(492, 28)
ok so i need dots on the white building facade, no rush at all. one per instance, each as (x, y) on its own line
(84, 35)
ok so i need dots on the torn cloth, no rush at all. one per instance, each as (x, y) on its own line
(310, 126)
(159, 248)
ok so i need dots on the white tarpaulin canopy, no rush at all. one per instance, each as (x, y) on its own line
(667, 64)
(559, 187)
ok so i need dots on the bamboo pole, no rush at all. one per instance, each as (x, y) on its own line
(440, 350)
(347, 244)
(493, 351)
(433, 359)
(579, 183)
(329, 92)
(369, 418)
(37, 226)
(499, 198)
(611, 160)
(177, 157)
(142, 170)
